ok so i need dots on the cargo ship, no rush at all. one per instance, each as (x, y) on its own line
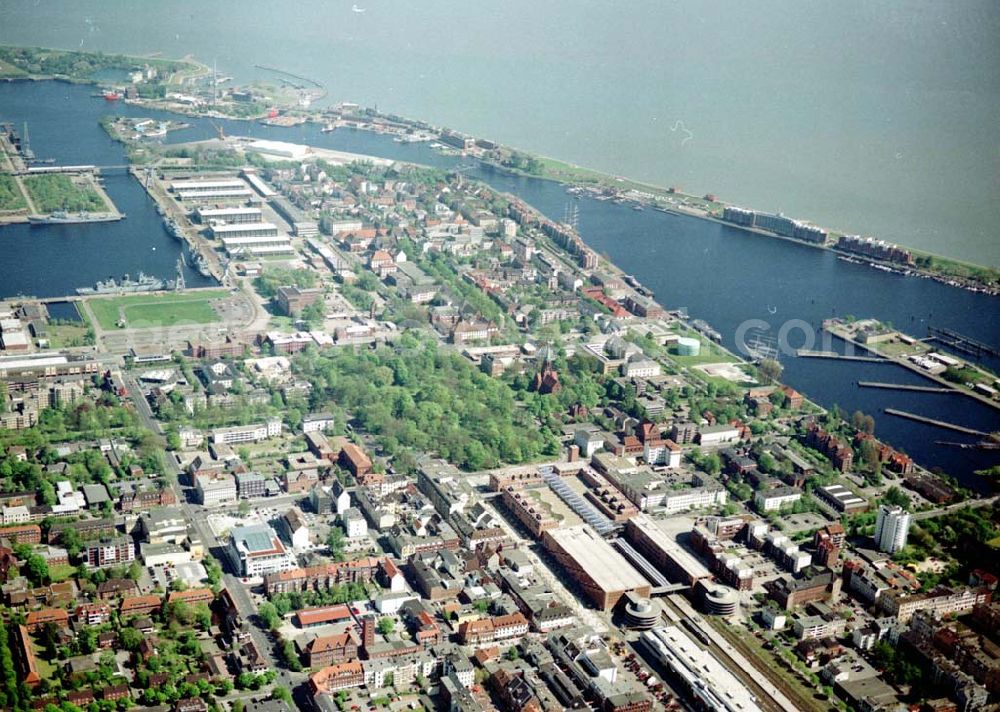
(145, 283)
(63, 218)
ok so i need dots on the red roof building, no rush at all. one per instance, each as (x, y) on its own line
(36, 620)
(25, 657)
(337, 677)
(139, 605)
(310, 617)
(332, 649)
(192, 596)
(354, 459)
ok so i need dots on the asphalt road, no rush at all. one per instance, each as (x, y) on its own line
(196, 515)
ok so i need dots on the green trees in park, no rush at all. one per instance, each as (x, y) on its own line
(416, 396)
(10, 194)
(75, 65)
(54, 192)
(273, 277)
(283, 603)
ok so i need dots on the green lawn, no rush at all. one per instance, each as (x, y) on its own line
(709, 354)
(10, 194)
(898, 348)
(146, 310)
(46, 670)
(63, 336)
(61, 572)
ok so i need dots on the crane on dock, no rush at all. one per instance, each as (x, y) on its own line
(220, 130)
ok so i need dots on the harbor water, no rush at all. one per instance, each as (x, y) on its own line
(717, 273)
(870, 116)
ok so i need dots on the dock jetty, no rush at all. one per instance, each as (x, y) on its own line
(932, 421)
(839, 357)
(906, 387)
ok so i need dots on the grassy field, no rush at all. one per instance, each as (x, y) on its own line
(898, 348)
(9, 71)
(61, 572)
(68, 335)
(146, 310)
(10, 194)
(709, 354)
(46, 669)
(57, 192)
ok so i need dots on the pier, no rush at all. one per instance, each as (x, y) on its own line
(841, 333)
(905, 387)
(932, 421)
(316, 84)
(839, 357)
(961, 343)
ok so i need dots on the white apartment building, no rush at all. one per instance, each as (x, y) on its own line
(662, 452)
(257, 551)
(770, 500)
(16, 515)
(891, 528)
(696, 498)
(247, 433)
(354, 523)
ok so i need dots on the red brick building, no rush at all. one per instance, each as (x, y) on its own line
(337, 677)
(139, 605)
(36, 620)
(22, 534)
(322, 577)
(332, 649)
(357, 463)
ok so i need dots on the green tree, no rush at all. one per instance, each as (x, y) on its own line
(36, 568)
(894, 496)
(48, 493)
(770, 370)
(203, 616)
(130, 638)
(181, 612)
(71, 541)
(336, 541)
(290, 656)
(213, 572)
(386, 626)
(269, 615)
(87, 639)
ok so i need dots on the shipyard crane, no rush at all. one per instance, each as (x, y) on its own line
(219, 130)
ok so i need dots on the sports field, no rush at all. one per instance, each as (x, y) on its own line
(151, 310)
